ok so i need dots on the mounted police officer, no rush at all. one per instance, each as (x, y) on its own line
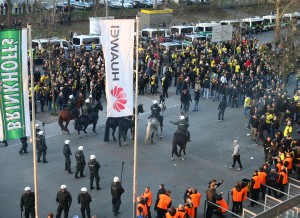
(155, 112)
(71, 105)
(42, 147)
(67, 154)
(28, 201)
(87, 109)
(94, 172)
(80, 159)
(64, 200)
(182, 127)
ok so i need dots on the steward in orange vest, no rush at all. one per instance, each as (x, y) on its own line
(148, 198)
(223, 206)
(237, 198)
(189, 208)
(196, 199)
(282, 180)
(288, 163)
(263, 180)
(164, 202)
(141, 203)
(180, 212)
(172, 213)
(255, 188)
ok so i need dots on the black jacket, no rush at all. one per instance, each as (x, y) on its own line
(222, 106)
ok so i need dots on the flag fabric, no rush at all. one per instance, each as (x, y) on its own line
(117, 38)
(14, 102)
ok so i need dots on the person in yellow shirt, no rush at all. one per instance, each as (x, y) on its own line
(247, 105)
(288, 129)
(269, 118)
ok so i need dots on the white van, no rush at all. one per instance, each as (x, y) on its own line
(286, 18)
(46, 43)
(235, 23)
(168, 46)
(253, 22)
(152, 32)
(183, 30)
(189, 39)
(269, 22)
(87, 41)
(206, 28)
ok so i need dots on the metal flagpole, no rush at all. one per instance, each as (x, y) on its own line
(33, 123)
(136, 117)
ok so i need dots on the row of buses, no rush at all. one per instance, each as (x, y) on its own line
(268, 22)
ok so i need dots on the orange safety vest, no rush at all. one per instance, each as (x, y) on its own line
(237, 195)
(169, 216)
(285, 177)
(262, 176)
(245, 193)
(222, 203)
(149, 196)
(278, 166)
(290, 161)
(196, 198)
(164, 201)
(145, 209)
(256, 182)
(180, 213)
(190, 211)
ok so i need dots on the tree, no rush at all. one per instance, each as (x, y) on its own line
(9, 13)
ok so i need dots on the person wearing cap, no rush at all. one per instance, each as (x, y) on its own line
(64, 200)
(67, 153)
(116, 191)
(84, 198)
(94, 167)
(182, 127)
(155, 112)
(80, 159)
(42, 147)
(24, 145)
(28, 202)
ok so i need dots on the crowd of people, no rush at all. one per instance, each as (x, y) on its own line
(231, 72)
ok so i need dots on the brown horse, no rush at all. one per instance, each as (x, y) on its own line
(67, 116)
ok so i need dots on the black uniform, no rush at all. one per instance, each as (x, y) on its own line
(116, 192)
(85, 199)
(155, 112)
(64, 200)
(67, 154)
(182, 128)
(24, 145)
(80, 159)
(28, 201)
(42, 148)
(222, 106)
(94, 173)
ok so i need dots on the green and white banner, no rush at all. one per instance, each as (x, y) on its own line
(14, 102)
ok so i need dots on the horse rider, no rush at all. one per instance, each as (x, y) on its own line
(182, 127)
(71, 105)
(155, 112)
(87, 108)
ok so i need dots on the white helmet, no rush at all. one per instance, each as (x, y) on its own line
(154, 102)
(37, 125)
(92, 157)
(116, 179)
(41, 133)
(67, 142)
(80, 148)
(27, 189)
(87, 100)
(70, 96)
(83, 189)
(182, 117)
(63, 187)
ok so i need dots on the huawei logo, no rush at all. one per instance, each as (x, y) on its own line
(120, 98)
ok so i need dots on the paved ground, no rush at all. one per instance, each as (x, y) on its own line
(208, 156)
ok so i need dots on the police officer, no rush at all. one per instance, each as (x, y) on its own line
(37, 129)
(42, 147)
(64, 200)
(87, 108)
(155, 112)
(28, 201)
(182, 126)
(70, 106)
(116, 192)
(84, 198)
(67, 154)
(80, 159)
(94, 172)
(24, 145)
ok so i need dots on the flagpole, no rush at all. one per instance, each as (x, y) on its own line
(33, 123)
(136, 117)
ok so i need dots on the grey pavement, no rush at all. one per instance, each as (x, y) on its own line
(208, 156)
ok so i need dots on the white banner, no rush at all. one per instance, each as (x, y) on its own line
(117, 38)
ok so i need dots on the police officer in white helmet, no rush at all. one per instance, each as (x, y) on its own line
(84, 198)
(80, 159)
(64, 200)
(67, 153)
(28, 202)
(42, 147)
(182, 127)
(94, 167)
(116, 191)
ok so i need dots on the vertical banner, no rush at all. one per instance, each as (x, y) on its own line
(14, 102)
(117, 38)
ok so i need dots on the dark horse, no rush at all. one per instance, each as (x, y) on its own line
(126, 123)
(111, 122)
(66, 116)
(84, 120)
(180, 140)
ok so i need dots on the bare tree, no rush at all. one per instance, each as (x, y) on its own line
(9, 13)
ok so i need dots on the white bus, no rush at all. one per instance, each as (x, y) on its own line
(152, 32)
(286, 18)
(252, 22)
(235, 23)
(183, 30)
(206, 28)
(189, 39)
